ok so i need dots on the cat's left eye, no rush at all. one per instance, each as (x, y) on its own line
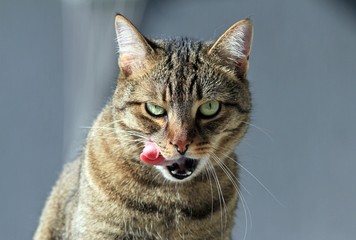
(155, 110)
(209, 109)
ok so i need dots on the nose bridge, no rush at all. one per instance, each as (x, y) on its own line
(178, 131)
(180, 136)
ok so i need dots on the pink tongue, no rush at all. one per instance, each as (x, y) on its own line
(150, 154)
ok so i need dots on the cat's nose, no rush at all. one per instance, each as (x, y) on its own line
(181, 146)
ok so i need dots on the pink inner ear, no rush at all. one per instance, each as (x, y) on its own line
(125, 64)
(150, 154)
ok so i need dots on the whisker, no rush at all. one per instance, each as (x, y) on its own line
(256, 179)
(105, 126)
(227, 171)
(123, 138)
(232, 179)
(221, 200)
(120, 131)
(247, 214)
(232, 174)
(119, 148)
(211, 191)
(260, 129)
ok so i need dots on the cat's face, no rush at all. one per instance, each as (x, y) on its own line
(190, 99)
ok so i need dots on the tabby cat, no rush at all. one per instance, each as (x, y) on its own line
(159, 160)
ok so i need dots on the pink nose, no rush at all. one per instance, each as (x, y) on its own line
(181, 146)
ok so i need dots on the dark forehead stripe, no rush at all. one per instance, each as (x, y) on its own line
(180, 68)
(168, 61)
(169, 65)
(183, 61)
(195, 66)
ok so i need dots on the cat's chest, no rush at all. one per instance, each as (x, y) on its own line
(151, 213)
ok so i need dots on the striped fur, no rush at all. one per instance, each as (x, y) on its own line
(109, 193)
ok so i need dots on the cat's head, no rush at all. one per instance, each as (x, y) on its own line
(190, 98)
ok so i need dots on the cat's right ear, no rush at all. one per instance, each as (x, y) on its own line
(133, 48)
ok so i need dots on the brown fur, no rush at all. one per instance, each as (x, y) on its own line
(109, 193)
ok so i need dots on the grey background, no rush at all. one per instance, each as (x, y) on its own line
(57, 69)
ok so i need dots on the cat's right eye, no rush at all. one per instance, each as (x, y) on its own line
(154, 110)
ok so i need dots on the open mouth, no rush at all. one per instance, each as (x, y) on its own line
(183, 168)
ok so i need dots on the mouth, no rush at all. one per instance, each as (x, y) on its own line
(183, 168)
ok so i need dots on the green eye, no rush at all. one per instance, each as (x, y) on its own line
(209, 109)
(155, 110)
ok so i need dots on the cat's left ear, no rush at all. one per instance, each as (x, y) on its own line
(133, 48)
(233, 48)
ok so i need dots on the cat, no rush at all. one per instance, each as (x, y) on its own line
(159, 160)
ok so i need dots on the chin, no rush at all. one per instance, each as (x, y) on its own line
(183, 170)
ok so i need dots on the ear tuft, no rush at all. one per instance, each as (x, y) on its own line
(133, 48)
(234, 46)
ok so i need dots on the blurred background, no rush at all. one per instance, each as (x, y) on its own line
(58, 68)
